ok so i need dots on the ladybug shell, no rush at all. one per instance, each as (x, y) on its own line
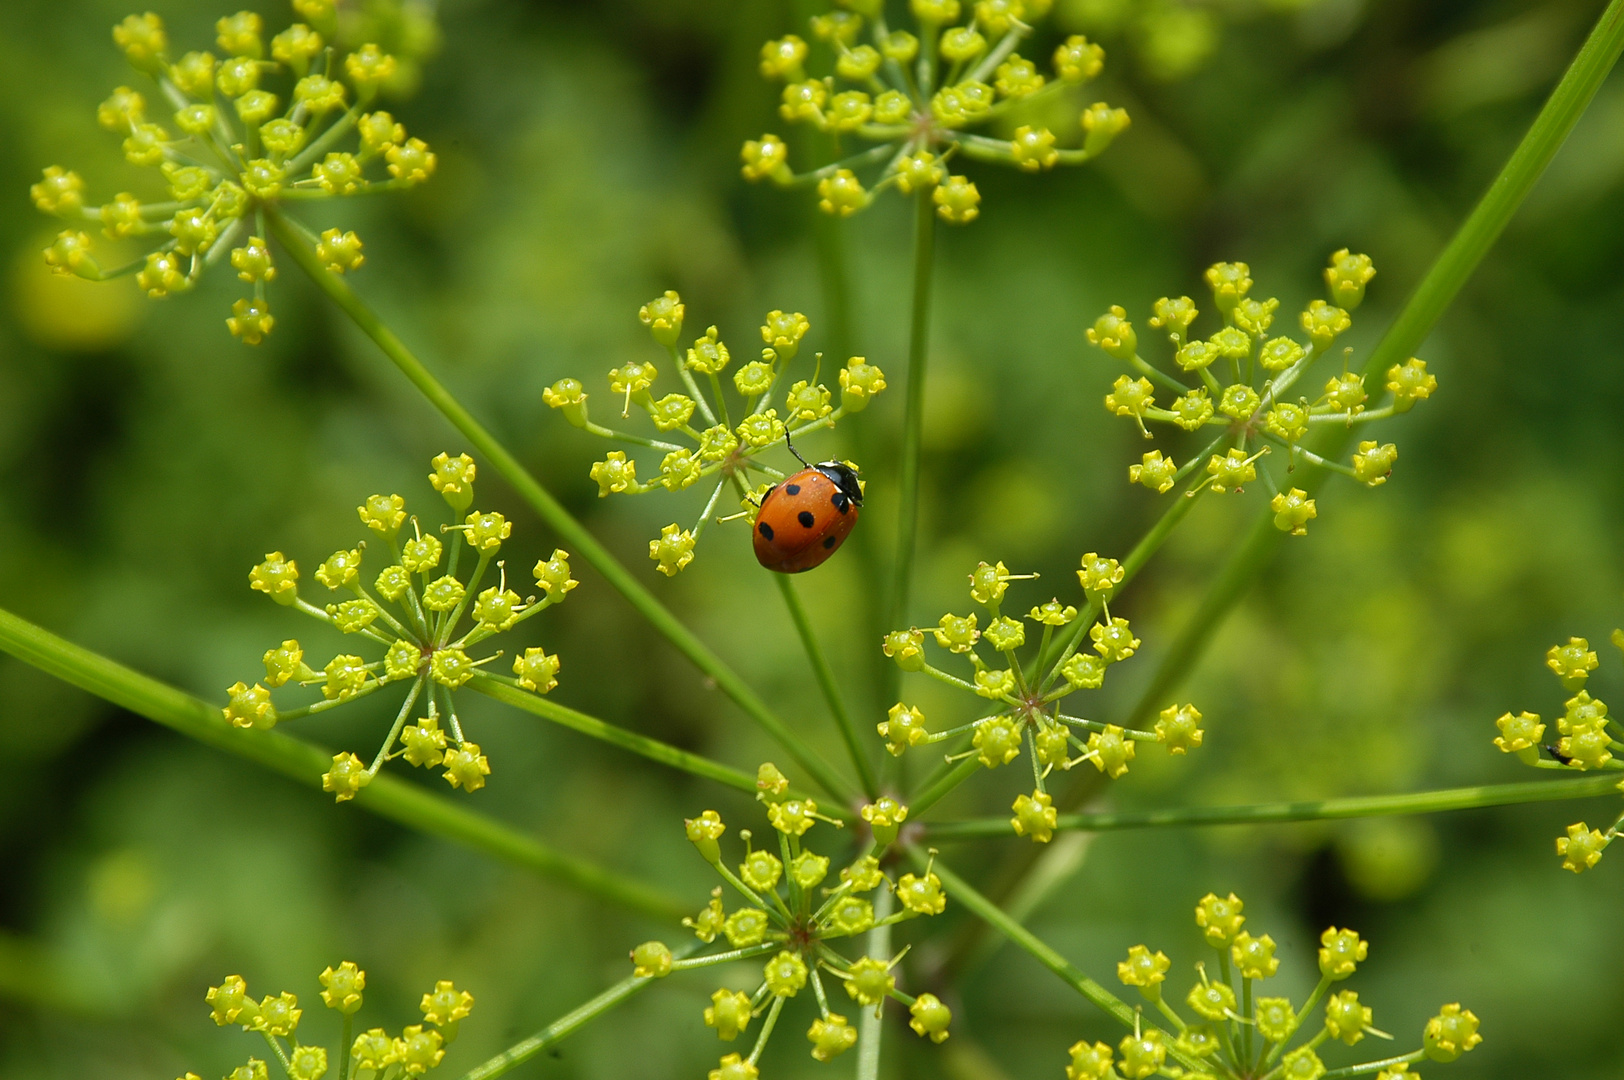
(805, 519)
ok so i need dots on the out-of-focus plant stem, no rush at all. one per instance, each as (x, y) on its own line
(914, 417)
(1420, 802)
(386, 796)
(826, 682)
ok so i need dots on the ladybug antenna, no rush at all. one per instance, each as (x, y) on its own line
(794, 451)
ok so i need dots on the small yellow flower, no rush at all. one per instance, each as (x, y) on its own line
(346, 778)
(453, 478)
(728, 1013)
(673, 551)
(466, 767)
(343, 986)
(1035, 816)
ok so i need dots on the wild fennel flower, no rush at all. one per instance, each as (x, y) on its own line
(1025, 699)
(1234, 385)
(1236, 1031)
(713, 449)
(415, 1051)
(1587, 738)
(425, 618)
(235, 139)
(918, 98)
(792, 921)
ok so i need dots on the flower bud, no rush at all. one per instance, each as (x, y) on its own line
(652, 960)
(704, 832)
(1113, 333)
(1102, 125)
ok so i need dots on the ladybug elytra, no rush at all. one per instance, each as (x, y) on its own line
(805, 519)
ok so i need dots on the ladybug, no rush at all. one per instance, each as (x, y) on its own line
(804, 520)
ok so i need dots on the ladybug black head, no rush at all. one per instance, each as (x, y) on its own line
(844, 477)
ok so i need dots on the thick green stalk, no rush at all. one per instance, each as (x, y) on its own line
(871, 1025)
(553, 512)
(826, 682)
(387, 796)
(1233, 580)
(914, 421)
(1448, 274)
(1421, 802)
(1019, 935)
(1494, 211)
(653, 749)
(830, 234)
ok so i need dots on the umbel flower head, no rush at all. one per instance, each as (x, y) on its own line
(425, 617)
(954, 86)
(790, 917)
(416, 1050)
(695, 432)
(1586, 739)
(1232, 1027)
(233, 139)
(1234, 386)
(1022, 702)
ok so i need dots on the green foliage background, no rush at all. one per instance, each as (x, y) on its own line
(587, 162)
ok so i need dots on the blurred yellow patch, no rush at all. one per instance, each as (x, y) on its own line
(68, 313)
(122, 886)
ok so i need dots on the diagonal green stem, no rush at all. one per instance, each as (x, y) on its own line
(1065, 643)
(653, 749)
(914, 422)
(1421, 802)
(553, 512)
(1448, 274)
(826, 682)
(566, 1025)
(934, 793)
(387, 796)
(1019, 935)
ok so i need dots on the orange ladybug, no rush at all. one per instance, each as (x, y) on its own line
(805, 519)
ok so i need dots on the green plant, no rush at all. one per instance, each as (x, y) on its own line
(891, 829)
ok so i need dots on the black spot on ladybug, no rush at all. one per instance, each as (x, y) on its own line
(792, 489)
(765, 530)
(841, 502)
(828, 541)
(806, 519)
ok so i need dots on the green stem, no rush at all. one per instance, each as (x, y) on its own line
(1374, 1066)
(553, 512)
(1443, 281)
(914, 422)
(653, 749)
(934, 793)
(1492, 213)
(826, 681)
(562, 1028)
(1067, 641)
(1422, 802)
(387, 796)
(829, 233)
(1019, 935)
(871, 1025)
(344, 1040)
